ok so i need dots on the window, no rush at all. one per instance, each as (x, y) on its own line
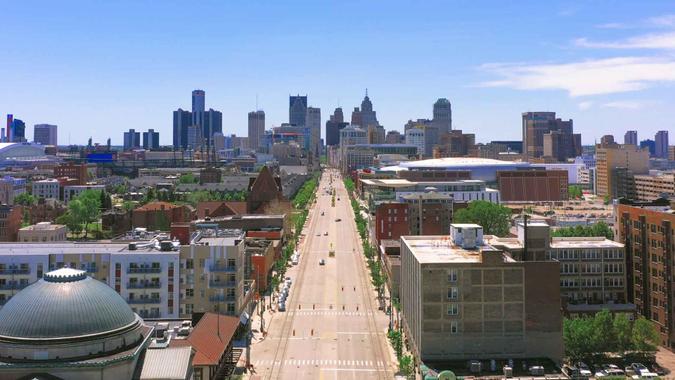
(452, 275)
(188, 308)
(189, 292)
(189, 264)
(453, 309)
(198, 374)
(453, 327)
(453, 293)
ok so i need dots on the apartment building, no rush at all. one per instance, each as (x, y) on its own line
(592, 269)
(213, 272)
(648, 231)
(47, 189)
(145, 274)
(615, 164)
(11, 188)
(462, 299)
(427, 213)
(80, 172)
(43, 232)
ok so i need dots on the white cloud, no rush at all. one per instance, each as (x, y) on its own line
(662, 21)
(648, 41)
(585, 105)
(612, 25)
(627, 104)
(592, 77)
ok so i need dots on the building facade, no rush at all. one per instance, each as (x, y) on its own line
(256, 129)
(533, 185)
(151, 140)
(538, 124)
(45, 134)
(43, 232)
(630, 138)
(297, 110)
(443, 115)
(46, 189)
(608, 159)
(661, 144)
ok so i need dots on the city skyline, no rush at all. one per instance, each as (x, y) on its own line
(58, 74)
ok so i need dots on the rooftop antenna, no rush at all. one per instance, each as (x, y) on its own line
(256, 102)
(366, 92)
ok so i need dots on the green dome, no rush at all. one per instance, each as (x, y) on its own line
(65, 303)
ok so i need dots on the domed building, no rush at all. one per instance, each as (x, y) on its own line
(70, 326)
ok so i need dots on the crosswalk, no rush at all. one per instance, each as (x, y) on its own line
(322, 363)
(331, 313)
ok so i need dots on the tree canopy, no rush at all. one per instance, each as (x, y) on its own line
(494, 218)
(82, 211)
(597, 229)
(24, 199)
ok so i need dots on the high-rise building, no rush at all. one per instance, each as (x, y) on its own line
(45, 134)
(195, 139)
(393, 137)
(333, 127)
(453, 144)
(415, 136)
(132, 139)
(630, 138)
(365, 116)
(443, 115)
(615, 164)
(17, 131)
(537, 124)
(606, 140)
(376, 134)
(198, 106)
(212, 123)
(297, 110)
(181, 121)
(256, 129)
(650, 145)
(151, 140)
(661, 144)
(313, 122)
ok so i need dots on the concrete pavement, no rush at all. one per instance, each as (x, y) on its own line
(332, 328)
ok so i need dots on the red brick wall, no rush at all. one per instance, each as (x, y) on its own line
(533, 185)
(387, 221)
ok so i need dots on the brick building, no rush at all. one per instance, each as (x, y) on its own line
(78, 171)
(648, 231)
(10, 222)
(210, 175)
(533, 185)
(397, 219)
(263, 191)
(160, 215)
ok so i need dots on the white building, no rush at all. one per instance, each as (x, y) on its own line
(46, 188)
(415, 136)
(72, 191)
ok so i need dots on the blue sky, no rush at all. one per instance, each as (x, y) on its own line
(98, 68)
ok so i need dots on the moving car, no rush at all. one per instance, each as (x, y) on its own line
(325, 233)
(322, 262)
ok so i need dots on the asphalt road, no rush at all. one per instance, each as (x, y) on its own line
(332, 328)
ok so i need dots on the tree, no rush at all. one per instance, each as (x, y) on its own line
(128, 206)
(598, 229)
(406, 366)
(85, 209)
(603, 338)
(645, 335)
(577, 337)
(150, 195)
(188, 178)
(24, 199)
(494, 218)
(575, 192)
(70, 222)
(623, 331)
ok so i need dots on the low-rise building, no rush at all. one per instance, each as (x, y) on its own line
(427, 213)
(72, 191)
(462, 299)
(10, 188)
(47, 189)
(652, 186)
(10, 222)
(43, 232)
(160, 215)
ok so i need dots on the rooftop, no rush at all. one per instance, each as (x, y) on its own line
(167, 364)
(440, 250)
(210, 338)
(43, 226)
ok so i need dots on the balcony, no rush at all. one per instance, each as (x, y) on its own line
(15, 271)
(13, 286)
(222, 298)
(223, 268)
(149, 314)
(142, 270)
(222, 284)
(144, 300)
(144, 285)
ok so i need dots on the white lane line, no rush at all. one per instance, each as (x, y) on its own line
(354, 369)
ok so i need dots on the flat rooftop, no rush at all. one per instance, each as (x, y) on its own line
(439, 249)
(556, 242)
(66, 248)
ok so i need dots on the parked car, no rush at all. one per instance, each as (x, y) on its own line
(325, 233)
(657, 369)
(639, 369)
(282, 306)
(584, 370)
(338, 220)
(322, 262)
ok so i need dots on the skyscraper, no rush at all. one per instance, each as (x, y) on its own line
(365, 116)
(212, 122)
(181, 121)
(132, 139)
(45, 134)
(256, 129)
(537, 124)
(297, 110)
(661, 142)
(16, 129)
(630, 138)
(150, 140)
(333, 127)
(443, 115)
(198, 106)
(313, 122)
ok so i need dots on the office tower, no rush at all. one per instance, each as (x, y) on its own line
(218, 141)
(313, 122)
(181, 121)
(615, 165)
(537, 124)
(297, 110)
(443, 115)
(376, 134)
(194, 137)
(132, 139)
(630, 138)
(5, 136)
(650, 145)
(151, 140)
(365, 116)
(415, 136)
(16, 130)
(212, 122)
(606, 140)
(333, 127)
(256, 129)
(45, 134)
(661, 144)
(198, 106)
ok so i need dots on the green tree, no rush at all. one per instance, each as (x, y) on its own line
(128, 206)
(494, 218)
(623, 332)
(188, 178)
(70, 222)
(85, 209)
(120, 189)
(604, 337)
(577, 335)
(406, 366)
(575, 192)
(599, 229)
(645, 335)
(25, 199)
